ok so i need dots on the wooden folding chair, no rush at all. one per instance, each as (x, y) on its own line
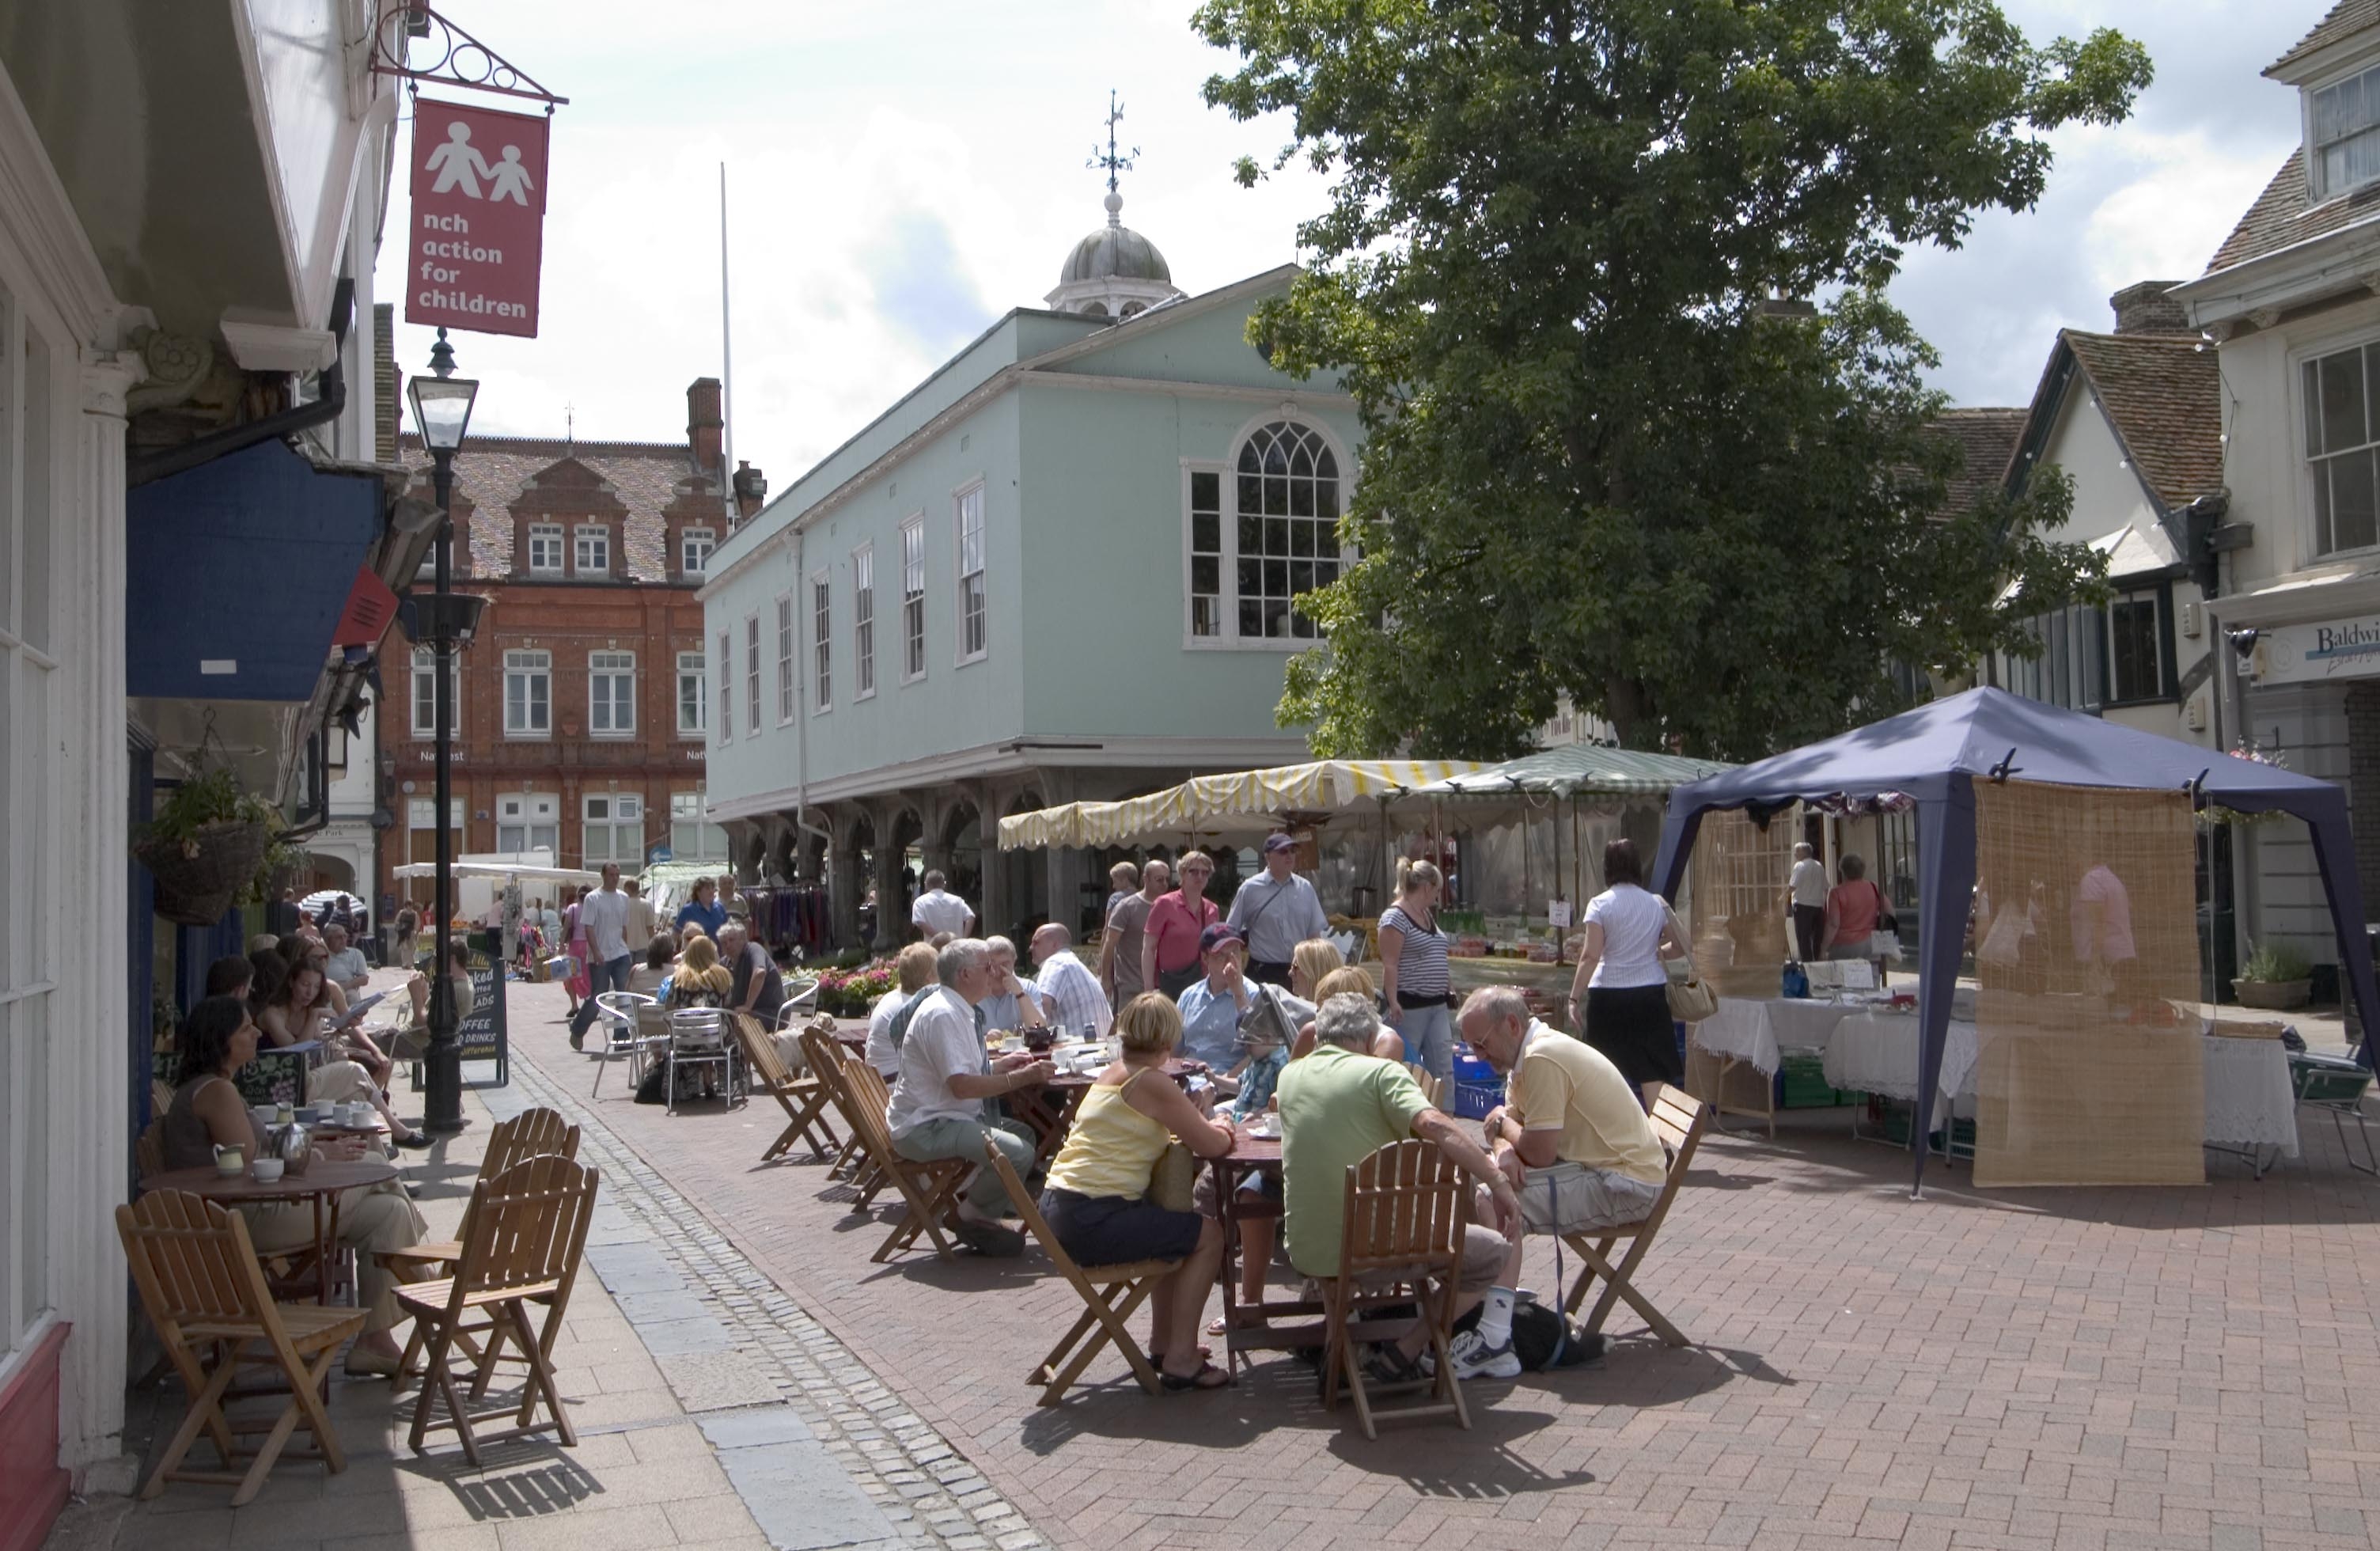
(148, 1152)
(1407, 1207)
(205, 1293)
(1680, 1120)
(804, 1098)
(825, 1055)
(1433, 1089)
(531, 1133)
(927, 1189)
(529, 1230)
(1109, 1294)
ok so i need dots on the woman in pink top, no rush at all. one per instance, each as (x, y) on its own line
(1169, 943)
(1853, 908)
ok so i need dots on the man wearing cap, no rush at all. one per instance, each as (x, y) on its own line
(1212, 1008)
(1274, 912)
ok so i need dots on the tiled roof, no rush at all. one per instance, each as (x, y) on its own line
(2346, 19)
(645, 477)
(2279, 217)
(1986, 440)
(2162, 393)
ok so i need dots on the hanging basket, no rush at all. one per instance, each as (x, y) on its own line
(199, 878)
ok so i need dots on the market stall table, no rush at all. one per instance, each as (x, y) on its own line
(1755, 1031)
(2250, 1104)
(323, 1181)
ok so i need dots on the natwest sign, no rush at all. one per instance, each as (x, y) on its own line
(478, 224)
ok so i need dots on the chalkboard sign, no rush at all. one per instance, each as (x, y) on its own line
(483, 1034)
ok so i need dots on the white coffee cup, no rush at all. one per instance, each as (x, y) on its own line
(266, 1115)
(267, 1169)
(358, 1112)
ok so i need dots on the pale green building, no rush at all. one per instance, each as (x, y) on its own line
(1059, 568)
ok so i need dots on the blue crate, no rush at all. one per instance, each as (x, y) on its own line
(1471, 1101)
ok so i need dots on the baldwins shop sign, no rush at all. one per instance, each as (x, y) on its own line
(478, 219)
(2346, 649)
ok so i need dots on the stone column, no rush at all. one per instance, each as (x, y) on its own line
(891, 913)
(844, 885)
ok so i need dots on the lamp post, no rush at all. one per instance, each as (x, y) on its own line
(441, 413)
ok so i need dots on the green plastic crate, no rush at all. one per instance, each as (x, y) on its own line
(2328, 1080)
(1801, 1084)
(1895, 1122)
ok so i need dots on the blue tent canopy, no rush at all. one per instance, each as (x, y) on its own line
(1936, 753)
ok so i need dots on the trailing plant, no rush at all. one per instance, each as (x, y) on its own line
(212, 797)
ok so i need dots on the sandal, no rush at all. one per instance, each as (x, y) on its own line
(1209, 1376)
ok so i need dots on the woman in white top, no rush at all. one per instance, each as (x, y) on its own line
(1620, 999)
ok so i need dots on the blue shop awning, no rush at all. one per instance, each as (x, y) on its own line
(237, 572)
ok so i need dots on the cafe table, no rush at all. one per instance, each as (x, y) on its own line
(1265, 1324)
(320, 1185)
(1049, 1106)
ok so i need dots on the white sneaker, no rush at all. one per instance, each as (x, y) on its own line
(1474, 1358)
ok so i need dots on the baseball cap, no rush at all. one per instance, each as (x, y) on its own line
(1278, 842)
(1214, 936)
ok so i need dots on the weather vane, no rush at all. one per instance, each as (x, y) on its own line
(1112, 162)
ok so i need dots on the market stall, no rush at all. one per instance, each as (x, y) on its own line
(2070, 841)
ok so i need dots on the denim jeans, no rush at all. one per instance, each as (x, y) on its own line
(1428, 1033)
(602, 975)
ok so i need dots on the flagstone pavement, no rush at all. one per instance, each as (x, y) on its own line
(2070, 1368)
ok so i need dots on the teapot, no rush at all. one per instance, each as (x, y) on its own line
(292, 1144)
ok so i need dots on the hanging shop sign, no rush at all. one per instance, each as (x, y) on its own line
(478, 220)
(2339, 649)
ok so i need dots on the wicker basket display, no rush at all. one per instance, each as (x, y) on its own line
(197, 881)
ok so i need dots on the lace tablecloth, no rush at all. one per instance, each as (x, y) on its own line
(1755, 1031)
(2249, 1100)
(1876, 1052)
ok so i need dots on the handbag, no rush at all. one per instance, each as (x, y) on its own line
(1170, 1184)
(1693, 999)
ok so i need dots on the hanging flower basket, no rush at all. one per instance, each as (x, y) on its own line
(201, 876)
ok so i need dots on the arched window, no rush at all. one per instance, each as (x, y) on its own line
(1279, 537)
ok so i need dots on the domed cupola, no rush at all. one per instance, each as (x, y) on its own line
(1115, 272)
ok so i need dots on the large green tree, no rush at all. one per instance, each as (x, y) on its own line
(1602, 459)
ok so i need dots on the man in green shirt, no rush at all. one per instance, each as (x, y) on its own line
(1338, 1105)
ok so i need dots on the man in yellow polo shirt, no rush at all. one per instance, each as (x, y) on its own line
(1338, 1105)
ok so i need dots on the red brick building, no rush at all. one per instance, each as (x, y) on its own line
(583, 704)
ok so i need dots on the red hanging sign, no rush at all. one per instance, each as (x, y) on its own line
(370, 607)
(477, 223)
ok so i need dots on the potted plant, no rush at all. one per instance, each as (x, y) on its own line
(211, 847)
(2276, 978)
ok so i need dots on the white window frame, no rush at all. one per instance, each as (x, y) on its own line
(609, 664)
(612, 823)
(863, 622)
(425, 677)
(822, 613)
(2319, 189)
(686, 814)
(535, 670)
(542, 533)
(982, 574)
(913, 598)
(2306, 410)
(600, 536)
(528, 814)
(1228, 601)
(688, 540)
(752, 675)
(727, 686)
(786, 687)
(692, 668)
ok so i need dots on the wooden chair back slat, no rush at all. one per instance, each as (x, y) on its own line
(1406, 1203)
(531, 1133)
(192, 1259)
(528, 1226)
(148, 1152)
(870, 1103)
(761, 1051)
(825, 1054)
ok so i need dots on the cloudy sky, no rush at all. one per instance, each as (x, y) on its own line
(899, 176)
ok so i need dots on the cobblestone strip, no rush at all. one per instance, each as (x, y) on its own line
(928, 1491)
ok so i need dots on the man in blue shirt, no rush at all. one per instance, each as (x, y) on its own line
(1211, 1008)
(1275, 911)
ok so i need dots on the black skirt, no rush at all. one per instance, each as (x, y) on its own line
(1630, 1025)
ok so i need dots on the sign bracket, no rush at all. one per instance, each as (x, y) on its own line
(460, 59)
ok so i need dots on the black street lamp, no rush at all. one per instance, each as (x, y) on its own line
(441, 413)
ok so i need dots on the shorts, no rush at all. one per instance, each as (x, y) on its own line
(1483, 1253)
(1117, 1231)
(1573, 1198)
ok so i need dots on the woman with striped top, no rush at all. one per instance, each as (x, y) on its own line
(1413, 969)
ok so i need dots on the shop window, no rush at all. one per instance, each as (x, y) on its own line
(2341, 433)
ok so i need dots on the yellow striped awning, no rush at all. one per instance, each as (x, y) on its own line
(1195, 805)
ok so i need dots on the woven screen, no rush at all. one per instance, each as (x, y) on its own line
(2088, 1065)
(1742, 936)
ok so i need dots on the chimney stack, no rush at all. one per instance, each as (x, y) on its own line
(2146, 308)
(705, 431)
(751, 490)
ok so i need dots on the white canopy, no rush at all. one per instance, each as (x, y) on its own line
(1244, 805)
(499, 868)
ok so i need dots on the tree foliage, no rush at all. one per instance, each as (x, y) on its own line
(1599, 460)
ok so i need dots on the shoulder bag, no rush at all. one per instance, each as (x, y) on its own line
(1692, 998)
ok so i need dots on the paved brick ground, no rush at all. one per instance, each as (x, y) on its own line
(2052, 1369)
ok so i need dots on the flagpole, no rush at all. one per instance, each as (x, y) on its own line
(726, 366)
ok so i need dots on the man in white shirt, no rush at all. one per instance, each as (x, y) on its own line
(941, 1105)
(346, 969)
(1071, 997)
(603, 917)
(1805, 898)
(1275, 911)
(938, 911)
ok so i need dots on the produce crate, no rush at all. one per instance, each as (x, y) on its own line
(1471, 1101)
(1894, 1125)
(1801, 1084)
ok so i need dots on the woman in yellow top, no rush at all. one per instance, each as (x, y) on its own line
(1095, 1197)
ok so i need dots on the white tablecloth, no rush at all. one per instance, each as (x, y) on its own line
(1757, 1030)
(1876, 1052)
(2249, 1100)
